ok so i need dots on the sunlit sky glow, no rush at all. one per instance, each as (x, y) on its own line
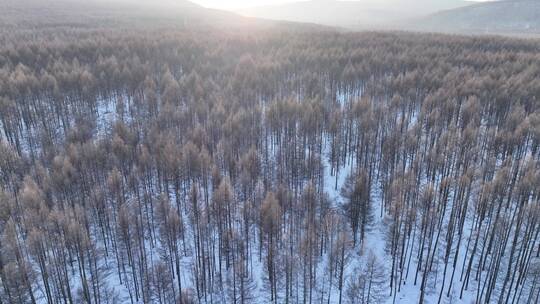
(238, 4)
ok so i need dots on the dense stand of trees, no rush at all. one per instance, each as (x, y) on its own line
(268, 166)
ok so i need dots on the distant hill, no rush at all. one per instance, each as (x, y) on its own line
(74, 14)
(500, 17)
(353, 14)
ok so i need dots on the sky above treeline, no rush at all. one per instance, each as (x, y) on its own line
(239, 4)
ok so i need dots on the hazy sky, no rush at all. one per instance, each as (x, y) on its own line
(236, 4)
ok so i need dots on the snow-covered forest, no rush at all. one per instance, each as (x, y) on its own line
(271, 164)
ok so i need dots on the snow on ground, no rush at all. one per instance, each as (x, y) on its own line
(106, 115)
(375, 241)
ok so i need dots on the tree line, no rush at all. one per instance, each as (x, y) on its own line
(208, 166)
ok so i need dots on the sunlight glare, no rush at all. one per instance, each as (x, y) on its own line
(236, 4)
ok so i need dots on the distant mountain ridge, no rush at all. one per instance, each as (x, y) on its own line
(513, 17)
(106, 13)
(353, 14)
(498, 17)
